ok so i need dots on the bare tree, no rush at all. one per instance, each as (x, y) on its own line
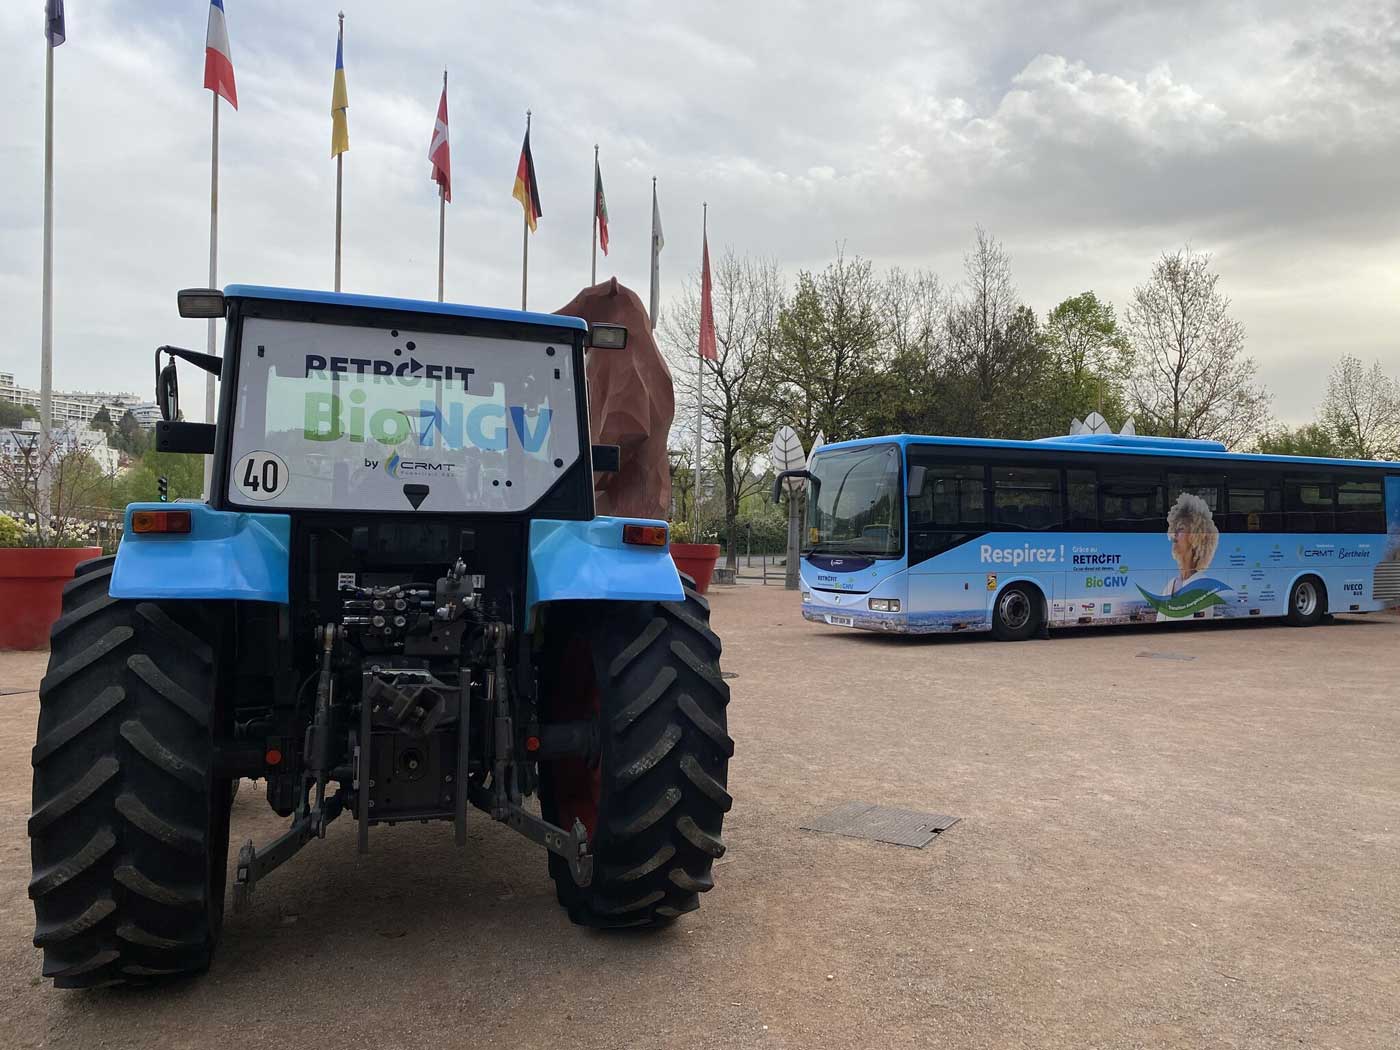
(911, 392)
(1192, 377)
(1362, 410)
(994, 346)
(748, 298)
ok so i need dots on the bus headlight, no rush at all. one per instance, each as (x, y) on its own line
(806, 596)
(884, 605)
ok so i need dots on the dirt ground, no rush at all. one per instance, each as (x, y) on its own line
(1186, 836)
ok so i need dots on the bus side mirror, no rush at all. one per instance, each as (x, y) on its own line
(917, 476)
(782, 475)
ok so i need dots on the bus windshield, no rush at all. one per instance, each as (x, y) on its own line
(853, 504)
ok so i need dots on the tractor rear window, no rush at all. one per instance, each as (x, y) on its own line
(341, 417)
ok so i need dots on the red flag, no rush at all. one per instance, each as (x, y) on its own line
(600, 205)
(438, 150)
(707, 309)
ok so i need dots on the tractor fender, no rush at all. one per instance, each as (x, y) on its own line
(229, 555)
(587, 561)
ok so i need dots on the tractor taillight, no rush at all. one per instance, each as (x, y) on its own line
(644, 535)
(160, 521)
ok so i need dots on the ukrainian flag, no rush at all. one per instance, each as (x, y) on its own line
(340, 128)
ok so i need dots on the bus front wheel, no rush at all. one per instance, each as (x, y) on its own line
(1017, 613)
(1307, 602)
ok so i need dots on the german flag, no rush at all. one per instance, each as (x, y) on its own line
(527, 191)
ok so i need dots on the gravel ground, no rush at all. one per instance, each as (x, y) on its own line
(1180, 837)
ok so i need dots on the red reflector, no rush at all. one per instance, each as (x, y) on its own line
(644, 535)
(532, 743)
(160, 521)
(273, 757)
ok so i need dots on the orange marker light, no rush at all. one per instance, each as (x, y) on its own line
(644, 535)
(160, 521)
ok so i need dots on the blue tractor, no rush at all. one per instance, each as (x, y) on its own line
(396, 603)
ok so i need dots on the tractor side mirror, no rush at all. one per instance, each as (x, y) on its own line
(917, 476)
(168, 392)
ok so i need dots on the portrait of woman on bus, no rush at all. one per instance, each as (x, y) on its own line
(1195, 538)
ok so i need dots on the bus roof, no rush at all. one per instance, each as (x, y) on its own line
(1112, 444)
(417, 306)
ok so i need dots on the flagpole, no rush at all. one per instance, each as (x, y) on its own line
(700, 393)
(442, 215)
(339, 182)
(46, 311)
(525, 238)
(655, 259)
(210, 410)
(594, 278)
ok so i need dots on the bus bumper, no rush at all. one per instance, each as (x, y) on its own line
(861, 619)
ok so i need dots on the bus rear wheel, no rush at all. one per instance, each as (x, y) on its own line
(1307, 602)
(1016, 614)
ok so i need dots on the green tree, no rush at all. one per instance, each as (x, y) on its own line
(13, 414)
(129, 437)
(1088, 361)
(1310, 439)
(102, 421)
(140, 484)
(828, 355)
(1192, 378)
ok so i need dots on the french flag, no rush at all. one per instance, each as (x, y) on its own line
(218, 60)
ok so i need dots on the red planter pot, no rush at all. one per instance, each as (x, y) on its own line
(31, 591)
(696, 560)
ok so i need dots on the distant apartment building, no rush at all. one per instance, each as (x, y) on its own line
(78, 409)
(17, 443)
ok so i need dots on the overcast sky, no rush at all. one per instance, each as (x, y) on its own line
(1088, 137)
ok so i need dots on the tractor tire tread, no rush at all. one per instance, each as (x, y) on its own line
(128, 840)
(664, 768)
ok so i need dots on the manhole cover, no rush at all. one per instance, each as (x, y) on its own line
(1149, 655)
(899, 827)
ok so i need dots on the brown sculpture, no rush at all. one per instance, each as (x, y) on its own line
(630, 404)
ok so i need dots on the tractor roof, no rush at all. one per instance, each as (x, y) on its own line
(418, 306)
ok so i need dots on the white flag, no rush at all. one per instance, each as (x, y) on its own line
(657, 243)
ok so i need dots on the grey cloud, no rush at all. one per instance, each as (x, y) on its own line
(1088, 137)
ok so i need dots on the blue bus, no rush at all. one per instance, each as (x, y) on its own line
(925, 534)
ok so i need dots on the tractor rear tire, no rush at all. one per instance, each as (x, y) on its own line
(654, 798)
(129, 832)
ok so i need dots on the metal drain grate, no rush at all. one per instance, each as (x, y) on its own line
(899, 827)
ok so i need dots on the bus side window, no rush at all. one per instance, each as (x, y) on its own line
(1027, 498)
(1083, 500)
(1209, 486)
(1132, 501)
(1255, 503)
(1309, 503)
(1360, 505)
(957, 495)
